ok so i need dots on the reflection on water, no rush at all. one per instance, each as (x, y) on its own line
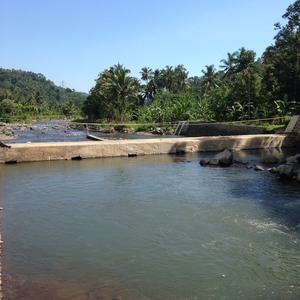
(153, 227)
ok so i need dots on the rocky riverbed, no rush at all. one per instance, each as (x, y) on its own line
(64, 131)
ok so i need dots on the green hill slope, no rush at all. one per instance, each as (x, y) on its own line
(24, 94)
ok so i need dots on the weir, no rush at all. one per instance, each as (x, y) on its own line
(30, 152)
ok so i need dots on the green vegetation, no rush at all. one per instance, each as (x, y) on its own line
(244, 88)
(27, 95)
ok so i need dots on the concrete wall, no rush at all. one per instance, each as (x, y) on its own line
(97, 149)
(214, 129)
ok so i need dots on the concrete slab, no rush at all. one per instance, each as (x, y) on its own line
(292, 124)
(108, 148)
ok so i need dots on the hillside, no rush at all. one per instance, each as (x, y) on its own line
(23, 92)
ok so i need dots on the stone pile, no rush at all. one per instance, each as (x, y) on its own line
(285, 168)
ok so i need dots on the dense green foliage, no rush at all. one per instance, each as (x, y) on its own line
(244, 88)
(26, 94)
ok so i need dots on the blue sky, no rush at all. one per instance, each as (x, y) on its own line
(73, 41)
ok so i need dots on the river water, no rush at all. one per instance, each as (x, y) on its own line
(149, 227)
(62, 131)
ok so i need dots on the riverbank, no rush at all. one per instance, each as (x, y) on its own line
(29, 152)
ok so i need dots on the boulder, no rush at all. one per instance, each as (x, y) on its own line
(225, 158)
(292, 159)
(280, 159)
(269, 159)
(214, 162)
(272, 159)
(285, 171)
(204, 162)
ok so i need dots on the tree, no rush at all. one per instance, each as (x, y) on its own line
(181, 79)
(146, 74)
(115, 91)
(168, 78)
(229, 64)
(285, 54)
(247, 82)
(210, 79)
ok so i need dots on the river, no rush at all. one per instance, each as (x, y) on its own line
(62, 131)
(152, 227)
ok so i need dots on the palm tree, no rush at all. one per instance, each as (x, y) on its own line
(210, 78)
(146, 74)
(168, 77)
(154, 85)
(181, 77)
(229, 64)
(121, 88)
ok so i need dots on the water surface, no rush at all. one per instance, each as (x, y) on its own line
(152, 227)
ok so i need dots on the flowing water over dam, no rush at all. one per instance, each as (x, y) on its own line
(151, 227)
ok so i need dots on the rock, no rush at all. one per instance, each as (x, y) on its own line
(204, 162)
(297, 156)
(272, 170)
(258, 168)
(272, 159)
(298, 176)
(158, 131)
(238, 161)
(292, 159)
(295, 173)
(280, 159)
(285, 171)
(249, 167)
(225, 158)
(214, 162)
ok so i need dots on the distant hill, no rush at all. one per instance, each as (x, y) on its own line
(25, 87)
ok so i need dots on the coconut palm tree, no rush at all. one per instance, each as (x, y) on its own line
(181, 77)
(168, 78)
(210, 78)
(121, 88)
(146, 74)
(229, 64)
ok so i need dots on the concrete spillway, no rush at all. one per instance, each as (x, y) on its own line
(112, 148)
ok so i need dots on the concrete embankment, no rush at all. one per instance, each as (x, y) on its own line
(112, 148)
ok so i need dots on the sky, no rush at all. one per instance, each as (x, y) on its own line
(70, 41)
